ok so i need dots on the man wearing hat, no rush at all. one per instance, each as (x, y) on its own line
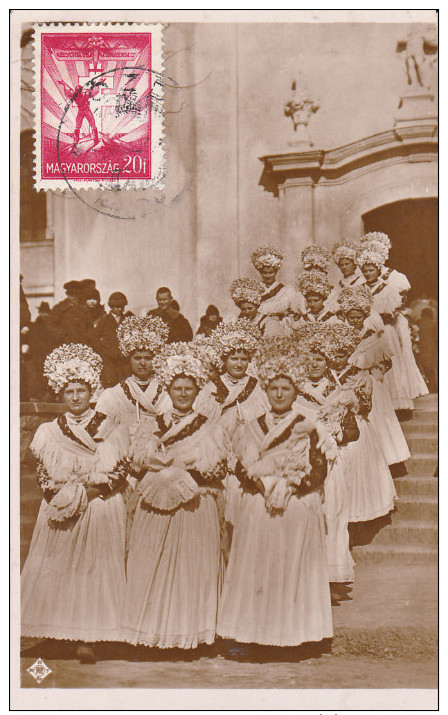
(103, 339)
(69, 319)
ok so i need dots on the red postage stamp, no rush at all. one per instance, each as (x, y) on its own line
(98, 106)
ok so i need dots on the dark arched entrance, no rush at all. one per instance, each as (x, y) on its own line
(412, 227)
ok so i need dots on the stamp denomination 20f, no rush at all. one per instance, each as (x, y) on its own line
(99, 106)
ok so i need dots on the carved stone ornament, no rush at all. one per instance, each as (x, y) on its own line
(300, 107)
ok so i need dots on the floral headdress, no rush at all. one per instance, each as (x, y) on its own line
(345, 249)
(267, 256)
(316, 258)
(71, 363)
(355, 297)
(327, 340)
(277, 357)
(371, 253)
(314, 282)
(180, 360)
(235, 335)
(378, 238)
(136, 333)
(246, 289)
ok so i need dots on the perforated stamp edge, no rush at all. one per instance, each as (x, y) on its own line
(158, 166)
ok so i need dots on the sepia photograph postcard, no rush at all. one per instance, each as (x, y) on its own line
(224, 360)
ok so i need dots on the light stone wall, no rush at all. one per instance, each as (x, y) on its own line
(225, 111)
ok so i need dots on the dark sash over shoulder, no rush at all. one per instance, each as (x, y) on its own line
(286, 434)
(379, 288)
(271, 293)
(262, 422)
(329, 388)
(187, 431)
(244, 394)
(326, 316)
(353, 370)
(221, 390)
(125, 387)
(161, 425)
(94, 425)
(67, 432)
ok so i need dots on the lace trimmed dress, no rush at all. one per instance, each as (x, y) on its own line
(356, 279)
(279, 304)
(276, 589)
(231, 403)
(174, 554)
(342, 432)
(373, 355)
(74, 577)
(129, 401)
(403, 381)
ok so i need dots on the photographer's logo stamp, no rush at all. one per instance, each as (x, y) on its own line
(39, 670)
(98, 106)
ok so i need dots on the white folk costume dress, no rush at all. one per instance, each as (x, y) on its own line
(74, 577)
(174, 554)
(232, 402)
(128, 401)
(312, 401)
(276, 589)
(372, 491)
(373, 355)
(356, 279)
(398, 282)
(403, 381)
(279, 304)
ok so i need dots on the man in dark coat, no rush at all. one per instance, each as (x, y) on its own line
(69, 319)
(103, 339)
(168, 309)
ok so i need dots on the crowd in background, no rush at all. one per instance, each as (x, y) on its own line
(81, 317)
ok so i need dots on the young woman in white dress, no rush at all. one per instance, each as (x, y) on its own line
(276, 588)
(247, 294)
(140, 395)
(74, 577)
(399, 284)
(174, 554)
(315, 290)
(233, 396)
(279, 303)
(344, 255)
(402, 380)
(373, 355)
(359, 486)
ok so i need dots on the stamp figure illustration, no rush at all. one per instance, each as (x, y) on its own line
(98, 106)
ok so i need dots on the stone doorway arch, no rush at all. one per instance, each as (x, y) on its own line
(412, 226)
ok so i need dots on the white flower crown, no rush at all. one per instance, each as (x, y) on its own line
(267, 256)
(72, 362)
(145, 333)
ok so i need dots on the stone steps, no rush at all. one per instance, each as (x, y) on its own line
(412, 534)
(412, 508)
(422, 443)
(408, 532)
(407, 554)
(421, 464)
(412, 486)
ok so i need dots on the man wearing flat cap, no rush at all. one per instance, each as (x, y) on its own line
(103, 339)
(69, 319)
